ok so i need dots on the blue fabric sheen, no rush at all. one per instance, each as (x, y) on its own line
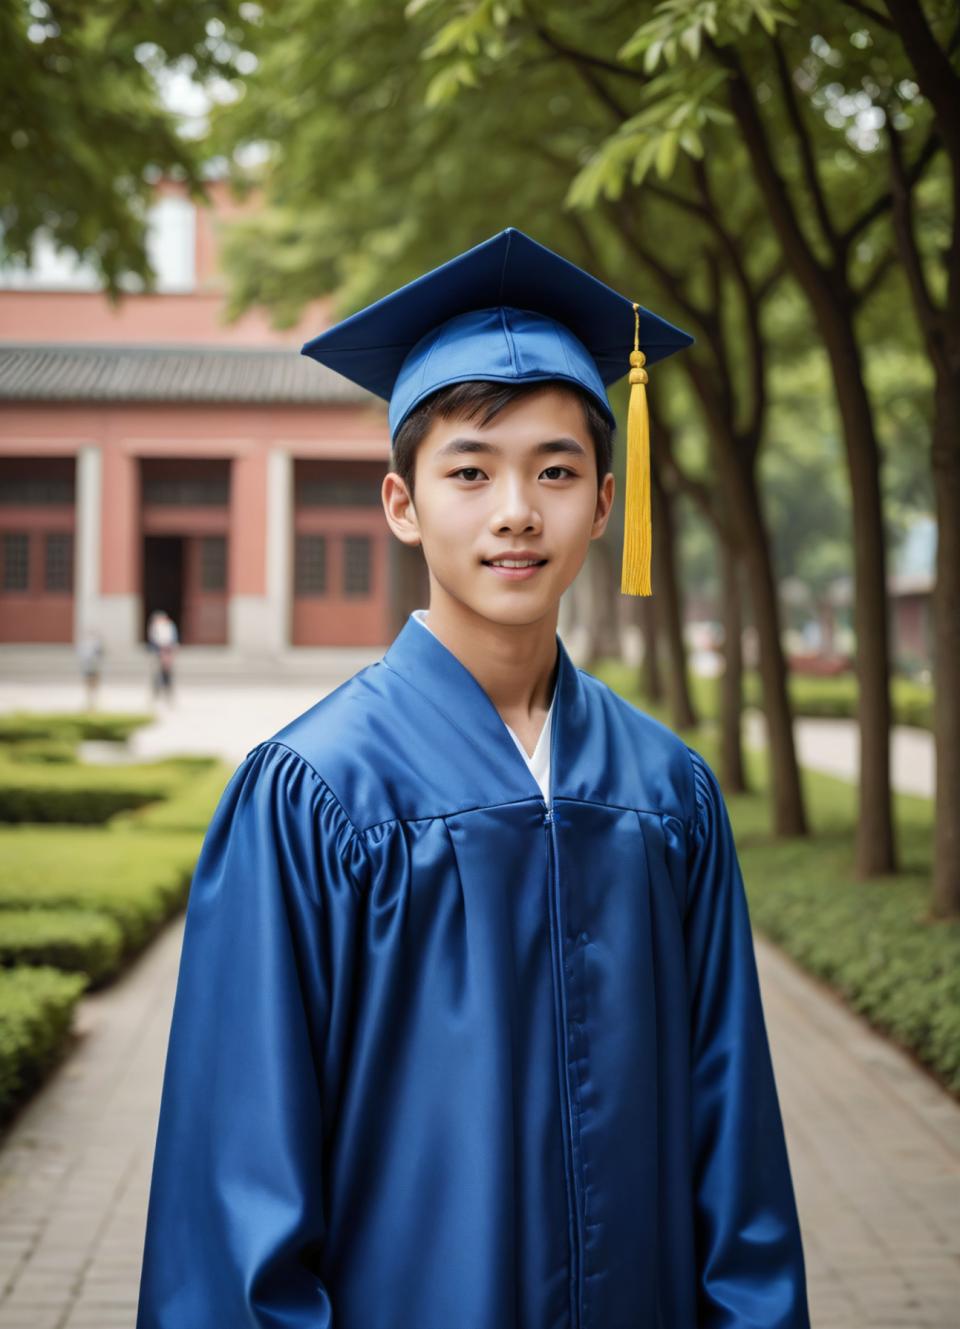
(442, 1059)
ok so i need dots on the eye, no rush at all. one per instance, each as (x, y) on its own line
(463, 469)
(561, 468)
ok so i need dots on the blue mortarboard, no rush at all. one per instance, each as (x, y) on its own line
(511, 310)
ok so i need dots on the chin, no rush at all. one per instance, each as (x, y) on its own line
(514, 611)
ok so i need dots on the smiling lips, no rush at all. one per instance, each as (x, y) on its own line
(514, 569)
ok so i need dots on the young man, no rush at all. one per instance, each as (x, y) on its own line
(468, 1032)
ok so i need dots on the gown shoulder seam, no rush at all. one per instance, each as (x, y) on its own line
(278, 743)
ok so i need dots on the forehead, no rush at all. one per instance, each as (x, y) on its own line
(530, 422)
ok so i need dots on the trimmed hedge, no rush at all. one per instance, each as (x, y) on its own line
(189, 808)
(87, 794)
(824, 698)
(70, 726)
(75, 940)
(138, 879)
(836, 698)
(41, 750)
(78, 900)
(36, 1007)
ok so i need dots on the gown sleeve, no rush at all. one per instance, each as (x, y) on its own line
(749, 1252)
(236, 1221)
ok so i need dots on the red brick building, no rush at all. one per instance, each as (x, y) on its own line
(152, 456)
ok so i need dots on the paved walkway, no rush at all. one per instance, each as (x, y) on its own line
(874, 1148)
(833, 746)
(229, 717)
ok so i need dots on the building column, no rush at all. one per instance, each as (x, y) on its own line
(261, 501)
(86, 541)
(280, 546)
(110, 481)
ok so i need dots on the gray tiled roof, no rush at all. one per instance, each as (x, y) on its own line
(78, 372)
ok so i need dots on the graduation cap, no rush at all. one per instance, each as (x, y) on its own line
(511, 310)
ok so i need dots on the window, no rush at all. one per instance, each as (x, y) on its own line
(213, 563)
(186, 491)
(36, 482)
(356, 565)
(310, 565)
(16, 561)
(58, 561)
(338, 493)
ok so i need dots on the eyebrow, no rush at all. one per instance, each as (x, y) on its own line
(458, 446)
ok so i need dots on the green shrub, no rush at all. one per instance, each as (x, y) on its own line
(36, 1007)
(40, 750)
(89, 794)
(139, 879)
(825, 698)
(72, 939)
(70, 726)
(189, 808)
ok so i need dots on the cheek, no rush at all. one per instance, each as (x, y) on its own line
(572, 518)
(449, 529)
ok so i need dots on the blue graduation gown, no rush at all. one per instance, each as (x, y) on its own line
(444, 1058)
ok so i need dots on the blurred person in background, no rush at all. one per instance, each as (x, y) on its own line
(90, 652)
(163, 639)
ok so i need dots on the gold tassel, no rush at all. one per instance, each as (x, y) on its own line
(637, 527)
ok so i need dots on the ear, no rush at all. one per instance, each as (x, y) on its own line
(604, 506)
(398, 508)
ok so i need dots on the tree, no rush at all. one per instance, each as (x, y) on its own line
(83, 129)
(934, 286)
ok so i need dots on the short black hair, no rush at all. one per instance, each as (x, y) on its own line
(482, 399)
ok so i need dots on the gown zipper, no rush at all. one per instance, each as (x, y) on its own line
(573, 1189)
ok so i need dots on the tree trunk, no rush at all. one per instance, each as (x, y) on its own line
(789, 816)
(604, 627)
(669, 614)
(875, 840)
(827, 290)
(946, 648)
(732, 771)
(651, 680)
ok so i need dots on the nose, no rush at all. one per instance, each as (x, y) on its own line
(513, 510)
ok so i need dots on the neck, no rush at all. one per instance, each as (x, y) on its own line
(514, 663)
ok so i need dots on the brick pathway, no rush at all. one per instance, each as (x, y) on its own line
(874, 1148)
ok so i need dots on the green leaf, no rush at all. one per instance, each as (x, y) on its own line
(690, 41)
(667, 155)
(447, 82)
(651, 56)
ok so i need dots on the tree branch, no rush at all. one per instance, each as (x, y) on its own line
(873, 15)
(938, 80)
(823, 286)
(751, 309)
(884, 201)
(671, 281)
(903, 229)
(806, 147)
(874, 278)
(586, 68)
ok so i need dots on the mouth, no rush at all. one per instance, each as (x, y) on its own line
(515, 569)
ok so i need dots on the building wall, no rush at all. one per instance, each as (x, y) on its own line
(113, 447)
